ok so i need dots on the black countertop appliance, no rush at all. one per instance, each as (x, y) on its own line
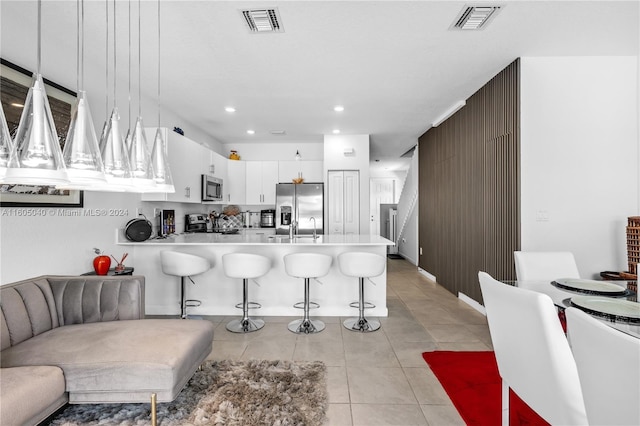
(196, 222)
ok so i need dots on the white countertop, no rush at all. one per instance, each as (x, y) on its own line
(253, 239)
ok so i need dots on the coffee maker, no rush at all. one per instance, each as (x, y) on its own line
(268, 218)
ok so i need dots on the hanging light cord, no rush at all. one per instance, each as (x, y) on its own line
(39, 35)
(139, 61)
(78, 45)
(114, 54)
(158, 63)
(81, 60)
(106, 59)
(129, 64)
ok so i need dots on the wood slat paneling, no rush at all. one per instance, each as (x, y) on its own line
(468, 184)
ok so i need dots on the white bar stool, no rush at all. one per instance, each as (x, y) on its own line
(361, 265)
(184, 265)
(307, 265)
(245, 266)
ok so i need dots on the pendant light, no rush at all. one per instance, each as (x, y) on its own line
(112, 147)
(161, 170)
(6, 143)
(298, 156)
(139, 158)
(81, 153)
(36, 157)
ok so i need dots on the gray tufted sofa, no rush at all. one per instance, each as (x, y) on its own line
(85, 340)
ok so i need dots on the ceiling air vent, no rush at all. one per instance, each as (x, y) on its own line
(263, 20)
(475, 17)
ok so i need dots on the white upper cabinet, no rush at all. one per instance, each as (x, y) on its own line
(311, 171)
(261, 180)
(234, 186)
(182, 153)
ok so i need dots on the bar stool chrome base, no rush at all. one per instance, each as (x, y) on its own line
(306, 326)
(245, 325)
(362, 324)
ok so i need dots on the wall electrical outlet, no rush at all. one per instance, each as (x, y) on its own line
(138, 211)
(156, 211)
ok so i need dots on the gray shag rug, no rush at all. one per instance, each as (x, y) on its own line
(278, 393)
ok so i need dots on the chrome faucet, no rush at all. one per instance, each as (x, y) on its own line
(314, 227)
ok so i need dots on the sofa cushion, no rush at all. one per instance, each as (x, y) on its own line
(29, 395)
(119, 361)
(27, 309)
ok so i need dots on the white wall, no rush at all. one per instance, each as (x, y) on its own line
(579, 157)
(335, 159)
(408, 214)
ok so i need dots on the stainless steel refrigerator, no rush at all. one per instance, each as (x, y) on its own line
(299, 203)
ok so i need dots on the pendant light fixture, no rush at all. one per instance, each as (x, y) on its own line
(298, 156)
(114, 152)
(36, 157)
(81, 153)
(161, 170)
(140, 160)
(6, 143)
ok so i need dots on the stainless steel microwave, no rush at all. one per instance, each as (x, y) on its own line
(211, 188)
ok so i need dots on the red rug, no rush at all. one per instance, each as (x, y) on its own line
(472, 382)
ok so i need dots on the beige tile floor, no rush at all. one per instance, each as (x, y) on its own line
(376, 378)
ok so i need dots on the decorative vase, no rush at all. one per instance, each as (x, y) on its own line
(234, 155)
(101, 264)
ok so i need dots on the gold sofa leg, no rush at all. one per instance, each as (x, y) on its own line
(154, 416)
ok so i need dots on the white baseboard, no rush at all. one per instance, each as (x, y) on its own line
(427, 274)
(475, 305)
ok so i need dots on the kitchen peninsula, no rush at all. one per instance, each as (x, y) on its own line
(276, 291)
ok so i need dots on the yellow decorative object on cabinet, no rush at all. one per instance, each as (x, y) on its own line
(234, 155)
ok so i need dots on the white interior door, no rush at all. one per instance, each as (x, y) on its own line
(382, 191)
(343, 204)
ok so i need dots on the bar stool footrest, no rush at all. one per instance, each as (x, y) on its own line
(367, 305)
(312, 305)
(251, 305)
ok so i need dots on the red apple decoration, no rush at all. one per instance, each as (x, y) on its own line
(101, 263)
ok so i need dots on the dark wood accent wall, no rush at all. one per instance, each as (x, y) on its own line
(469, 209)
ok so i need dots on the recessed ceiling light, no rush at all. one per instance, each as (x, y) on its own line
(338, 108)
(336, 131)
(230, 109)
(251, 132)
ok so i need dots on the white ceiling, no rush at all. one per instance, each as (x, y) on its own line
(394, 65)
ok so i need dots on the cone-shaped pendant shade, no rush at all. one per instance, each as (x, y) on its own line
(139, 158)
(115, 155)
(81, 153)
(6, 143)
(161, 170)
(36, 157)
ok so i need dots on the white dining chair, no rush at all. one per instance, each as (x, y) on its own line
(545, 265)
(608, 363)
(532, 352)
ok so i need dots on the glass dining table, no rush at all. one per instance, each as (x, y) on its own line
(615, 303)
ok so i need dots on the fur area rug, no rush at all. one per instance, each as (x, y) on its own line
(278, 393)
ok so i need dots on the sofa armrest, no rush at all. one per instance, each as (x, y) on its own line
(87, 299)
